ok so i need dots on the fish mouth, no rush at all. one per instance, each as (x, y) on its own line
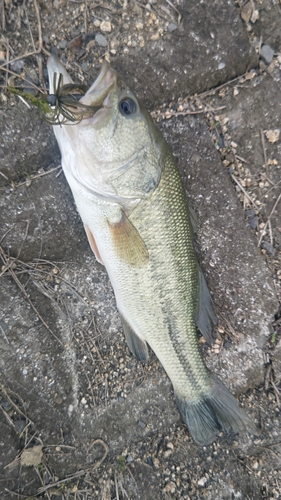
(55, 67)
(105, 81)
(72, 107)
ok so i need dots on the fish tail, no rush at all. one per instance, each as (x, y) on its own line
(218, 411)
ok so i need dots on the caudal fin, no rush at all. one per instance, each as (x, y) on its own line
(216, 412)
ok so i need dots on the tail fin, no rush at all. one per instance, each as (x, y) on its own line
(216, 412)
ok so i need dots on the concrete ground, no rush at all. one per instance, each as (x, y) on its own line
(80, 417)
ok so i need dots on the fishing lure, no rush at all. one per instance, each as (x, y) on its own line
(63, 106)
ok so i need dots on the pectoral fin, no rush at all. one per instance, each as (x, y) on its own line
(93, 244)
(136, 345)
(206, 317)
(127, 241)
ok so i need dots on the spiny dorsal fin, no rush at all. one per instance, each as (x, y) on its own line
(127, 241)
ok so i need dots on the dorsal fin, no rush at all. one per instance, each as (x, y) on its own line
(206, 317)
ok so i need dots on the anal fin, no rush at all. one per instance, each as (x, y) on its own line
(136, 345)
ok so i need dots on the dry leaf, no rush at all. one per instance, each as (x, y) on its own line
(250, 75)
(247, 11)
(255, 16)
(32, 456)
(272, 135)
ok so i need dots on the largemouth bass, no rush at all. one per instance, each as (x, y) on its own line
(131, 200)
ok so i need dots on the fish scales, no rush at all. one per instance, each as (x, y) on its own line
(131, 199)
(172, 277)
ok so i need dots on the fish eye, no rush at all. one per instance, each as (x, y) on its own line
(127, 106)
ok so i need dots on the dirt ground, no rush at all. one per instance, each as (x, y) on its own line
(80, 417)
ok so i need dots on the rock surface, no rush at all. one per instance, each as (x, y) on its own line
(73, 386)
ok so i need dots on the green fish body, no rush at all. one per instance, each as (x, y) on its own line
(130, 196)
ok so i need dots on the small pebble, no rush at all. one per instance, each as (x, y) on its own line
(105, 26)
(17, 66)
(253, 222)
(268, 248)
(167, 453)
(101, 40)
(170, 487)
(62, 44)
(20, 425)
(141, 424)
(202, 481)
(6, 405)
(172, 27)
(250, 213)
(266, 54)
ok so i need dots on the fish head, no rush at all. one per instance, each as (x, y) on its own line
(115, 151)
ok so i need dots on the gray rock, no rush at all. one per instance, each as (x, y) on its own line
(172, 27)
(266, 54)
(253, 222)
(63, 44)
(17, 66)
(20, 425)
(101, 40)
(268, 248)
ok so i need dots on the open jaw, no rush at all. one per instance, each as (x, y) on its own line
(67, 106)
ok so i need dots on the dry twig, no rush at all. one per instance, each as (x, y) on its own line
(80, 472)
(244, 191)
(8, 266)
(268, 220)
